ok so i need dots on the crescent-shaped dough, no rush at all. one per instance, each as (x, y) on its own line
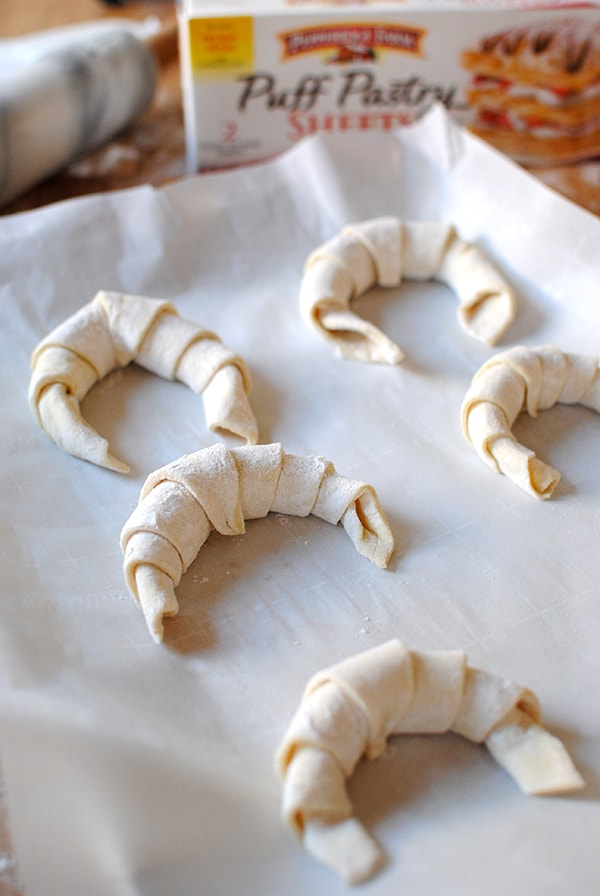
(111, 331)
(350, 709)
(524, 379)
(383, 251)
(219, 488)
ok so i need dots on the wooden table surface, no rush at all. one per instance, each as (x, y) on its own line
(152, 150)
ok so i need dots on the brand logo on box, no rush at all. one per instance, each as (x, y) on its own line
(352, 41)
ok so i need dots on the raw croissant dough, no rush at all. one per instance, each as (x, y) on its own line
(350, 709)
(531, 379)
(218, 488)
(383, 251)
(111, 331)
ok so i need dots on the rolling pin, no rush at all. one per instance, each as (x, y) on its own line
(70, 101)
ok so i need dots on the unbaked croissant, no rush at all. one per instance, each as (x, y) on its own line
(524, 379)
(350, 709)
(219, 488)
(384, 251)
(111, 331)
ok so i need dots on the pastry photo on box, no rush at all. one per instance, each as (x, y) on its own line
(535, 90)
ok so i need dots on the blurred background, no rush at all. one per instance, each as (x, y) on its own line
(151, 148)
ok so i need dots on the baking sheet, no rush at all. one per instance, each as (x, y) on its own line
(137, 768)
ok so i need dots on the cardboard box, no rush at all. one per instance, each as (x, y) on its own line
(260, 75)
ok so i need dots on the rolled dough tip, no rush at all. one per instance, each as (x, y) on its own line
(543, 478)
(345, 847)
(114, 464)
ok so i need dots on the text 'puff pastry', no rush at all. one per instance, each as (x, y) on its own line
(218, 488)
(350, 709)
(524, 379)
(384, 251)
(111, 331)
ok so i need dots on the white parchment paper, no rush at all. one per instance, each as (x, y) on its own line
(133, 768)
